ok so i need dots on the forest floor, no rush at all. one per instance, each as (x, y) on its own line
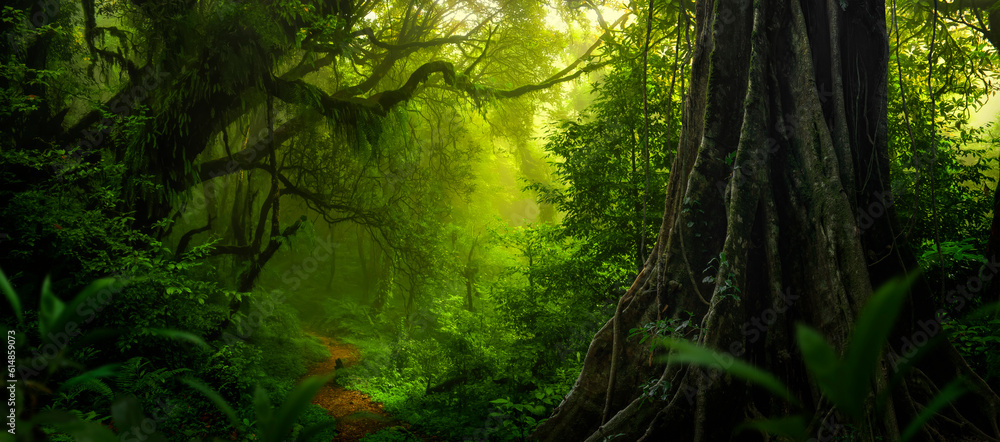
(357, 415)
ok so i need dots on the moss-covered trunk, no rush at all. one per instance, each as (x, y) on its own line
(798, 91)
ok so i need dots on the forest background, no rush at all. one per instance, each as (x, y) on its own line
(461, 189)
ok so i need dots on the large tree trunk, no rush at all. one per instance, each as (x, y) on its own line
(798, 91)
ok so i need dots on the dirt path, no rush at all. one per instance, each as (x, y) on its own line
(357, 415)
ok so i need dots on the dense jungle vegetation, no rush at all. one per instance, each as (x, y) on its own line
(402, 220)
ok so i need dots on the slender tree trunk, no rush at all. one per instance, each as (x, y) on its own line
(992, 292)
(800, 228)
(385, 283)
(469, 274)
(636, 228)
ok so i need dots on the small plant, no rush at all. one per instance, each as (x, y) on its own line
(677, 327)
(653, 389)
(60, 335)
(520, 419)
(730, 158)
(273, 425)
(55, 317)
(727, 288)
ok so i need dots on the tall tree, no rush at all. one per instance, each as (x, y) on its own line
(797, 92)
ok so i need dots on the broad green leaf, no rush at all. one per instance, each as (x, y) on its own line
(11, 295)
(50, 310)
(103, 371)
(63, 314)
(179, 335)
(819, 356)
(793, 427)
(263, 409)
(687, 353)
(949, 393)
(215, 397)
(871, 331)
(824, 366)
(296, 402)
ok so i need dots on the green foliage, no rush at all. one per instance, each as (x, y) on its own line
(671, 327)
(320, 420)
(391, 434)
(110, 110)
(343, 317)
(977, 339)
(57, 324)
(276, 424)
(101, 174)
(525, 419)
(846, 381)
(687, 353)
(941, 185)
(550, 297)
(727, 287)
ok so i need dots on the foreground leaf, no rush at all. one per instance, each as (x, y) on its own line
(869, 337)
(294, 405)
(215, 397)
(11, 295)
(687, 353)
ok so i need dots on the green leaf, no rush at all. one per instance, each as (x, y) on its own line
(50, 310)
(263, 409)
(180, 335)
(215, 397)
(793, 427)
(12, 298)
(296, 402)
(61, 314)
(103, 371)
(687, 353)
(949, 393)
(822, 362)
(871, 331)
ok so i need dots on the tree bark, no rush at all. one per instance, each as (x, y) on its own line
(798, 91)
